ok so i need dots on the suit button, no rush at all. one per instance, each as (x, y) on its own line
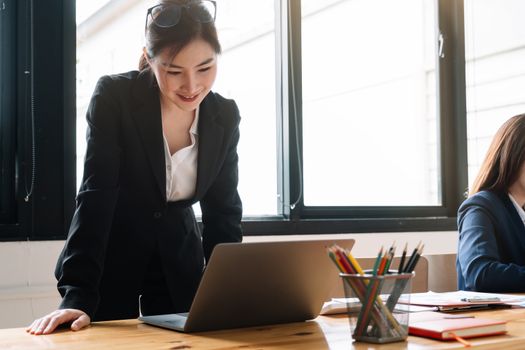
(157, 215)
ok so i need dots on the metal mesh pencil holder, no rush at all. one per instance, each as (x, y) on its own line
(373, 309)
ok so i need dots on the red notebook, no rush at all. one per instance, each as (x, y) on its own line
(451, 329)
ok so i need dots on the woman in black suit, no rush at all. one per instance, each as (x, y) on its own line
(158, 141)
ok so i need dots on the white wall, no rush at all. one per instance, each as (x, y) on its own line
(28, 287)
(27, 283)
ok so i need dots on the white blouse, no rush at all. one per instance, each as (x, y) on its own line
(519, 209)
(181, 167)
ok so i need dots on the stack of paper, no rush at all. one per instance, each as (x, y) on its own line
(462, 300)
(341, 305)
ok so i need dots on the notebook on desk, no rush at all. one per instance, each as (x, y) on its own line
(445, 327)
(258, 283)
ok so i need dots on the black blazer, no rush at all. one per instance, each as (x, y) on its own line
(122, 216)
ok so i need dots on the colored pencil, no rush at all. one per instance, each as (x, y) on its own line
(376, 263)
(412, 257)
(412, 266)
(391, 253)
(403, 257)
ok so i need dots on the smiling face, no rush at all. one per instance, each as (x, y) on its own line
(184, 80)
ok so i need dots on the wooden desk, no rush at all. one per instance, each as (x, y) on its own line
(326, 332)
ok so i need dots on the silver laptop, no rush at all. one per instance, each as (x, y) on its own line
(258, 283)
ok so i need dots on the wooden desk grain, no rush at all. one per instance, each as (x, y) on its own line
(325, 332)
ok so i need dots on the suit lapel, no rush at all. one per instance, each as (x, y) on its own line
(210, 143)
(515, 218)
(148, 118)
(509, 206)
(147, 115)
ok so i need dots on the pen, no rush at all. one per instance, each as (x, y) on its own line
(480, 299)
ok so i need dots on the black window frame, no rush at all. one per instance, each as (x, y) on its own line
(301, 219)
(7, 108)
(44, 118)
(48, 212)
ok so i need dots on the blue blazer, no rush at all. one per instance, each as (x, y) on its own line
(122, 217)
(491, 247)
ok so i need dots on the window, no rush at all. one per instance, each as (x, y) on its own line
(370, 133)
(249, 79)
(353, 112)
(382, 103)
(495, 52)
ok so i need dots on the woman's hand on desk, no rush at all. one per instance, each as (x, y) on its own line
(47, 324)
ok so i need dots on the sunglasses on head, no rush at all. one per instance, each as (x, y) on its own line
(166, 16)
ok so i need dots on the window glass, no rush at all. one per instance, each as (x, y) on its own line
(110, 40)
(369, 103)
(495, 71)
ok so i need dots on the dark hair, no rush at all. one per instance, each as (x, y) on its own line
(177, 36)
(504, 158)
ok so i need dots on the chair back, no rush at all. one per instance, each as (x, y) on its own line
(443, 276)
